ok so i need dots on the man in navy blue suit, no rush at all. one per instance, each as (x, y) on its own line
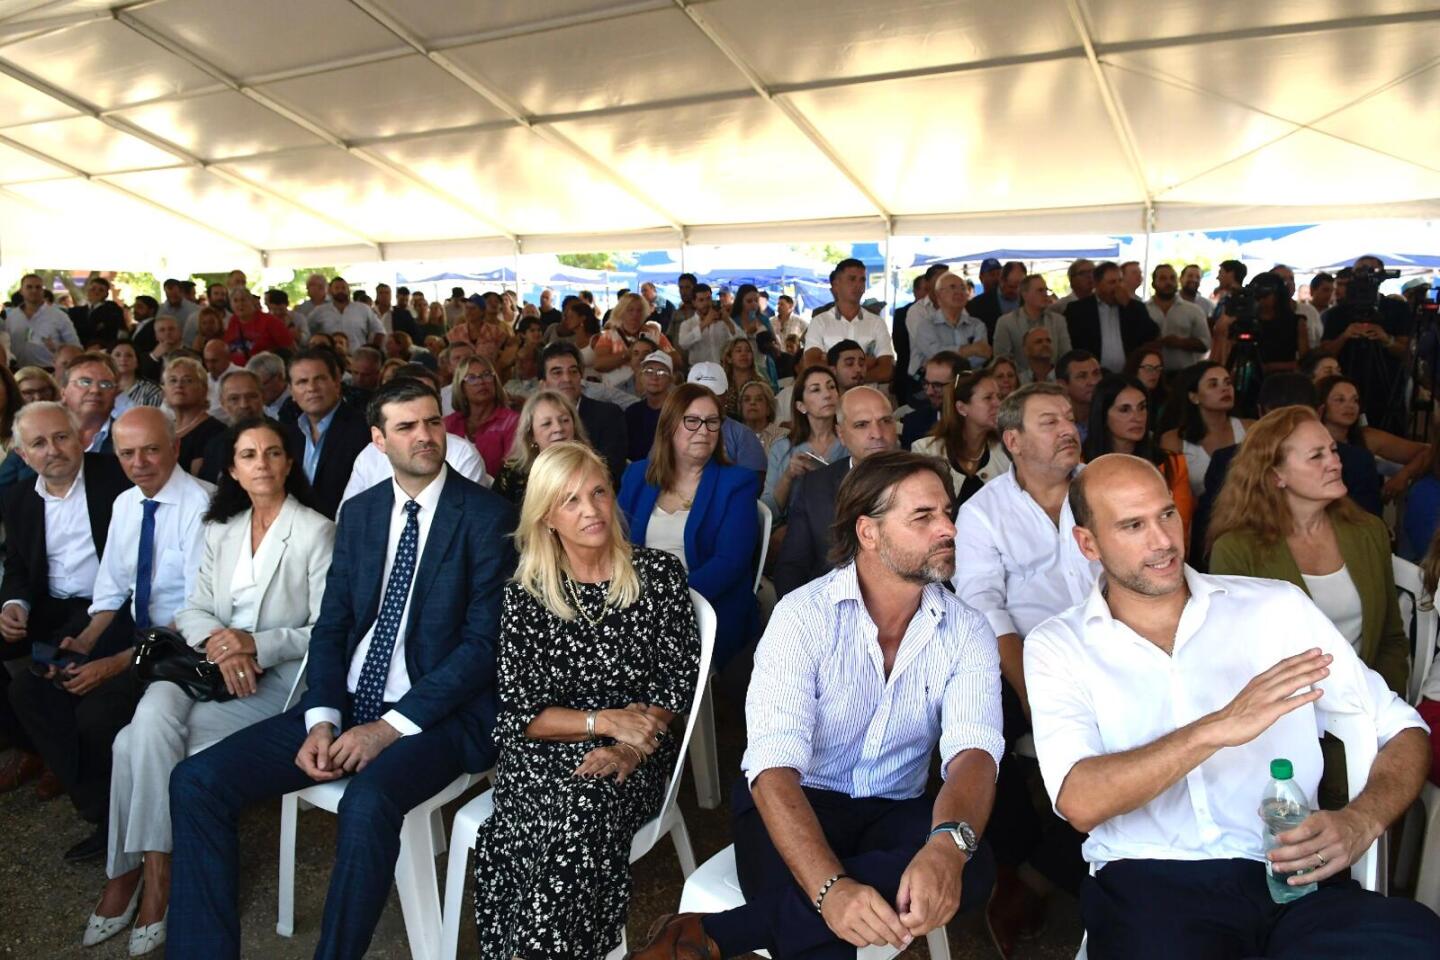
(400, 689)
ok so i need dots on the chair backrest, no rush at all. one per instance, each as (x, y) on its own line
(295, 685)
(1422, 623)
(705, 619)
(766, 522)
(1357, 732)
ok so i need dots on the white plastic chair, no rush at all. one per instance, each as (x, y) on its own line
(669, 821)
(1357, 733)
(704, 752)
(767, 521)
(1421, 618)
(422, 839)
(715, 886)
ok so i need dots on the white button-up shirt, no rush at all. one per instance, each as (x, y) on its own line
(707, 344)
(1097, 687)
(373, 467)
(179, 543)
(69, 543)
(1184, 319)
(28, 334)
(821, 704)
(358, 322)
(1013, 563)
(828, 328)
(397, 681)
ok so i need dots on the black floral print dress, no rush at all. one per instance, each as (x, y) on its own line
(552, 864)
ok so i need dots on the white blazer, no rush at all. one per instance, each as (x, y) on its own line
(290, 591)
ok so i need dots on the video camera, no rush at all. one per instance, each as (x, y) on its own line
(1363, 288)
(1244, 306)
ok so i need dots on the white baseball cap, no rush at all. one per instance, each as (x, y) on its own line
(710, 374)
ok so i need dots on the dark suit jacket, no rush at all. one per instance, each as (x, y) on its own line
(1083, 318)
(804, 551)
(986, 307)
(27, 569)
(143, 340)
(99, 325)
(901, 383)
(605, 423)
(452, 634)
(917, 424)
(1357, 470)
(347, 436)
(720, 539)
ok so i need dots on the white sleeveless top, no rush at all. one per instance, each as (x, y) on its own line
(1198, 461)
(1337, 598)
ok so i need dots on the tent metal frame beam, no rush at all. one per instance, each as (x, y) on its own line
(131, 194)
(393, 169)
(1114, 109)
(186, 157)
(515, 111)
(791, 112)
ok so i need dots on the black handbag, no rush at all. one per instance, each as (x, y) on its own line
(163, 654)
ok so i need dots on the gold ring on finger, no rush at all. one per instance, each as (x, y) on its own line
(1321, 857)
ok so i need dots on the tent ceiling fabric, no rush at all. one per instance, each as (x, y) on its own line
(380, 129)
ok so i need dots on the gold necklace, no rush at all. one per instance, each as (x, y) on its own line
(580, 607)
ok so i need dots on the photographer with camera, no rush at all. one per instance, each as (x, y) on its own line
(1258, 333)
(1370, 336)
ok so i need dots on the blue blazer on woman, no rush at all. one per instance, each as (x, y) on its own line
(720, 541)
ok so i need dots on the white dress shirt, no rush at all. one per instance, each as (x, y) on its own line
(358, 322)
(820, 702)
(1184, 319)
(69, 544)
(397, 681)
(373, 467)
(1097, 687)
(707, 345)
(179, 545)
(28, 334)
(828, 328)
(244, 584)
(1314, 329)
(920, 312)
(1013, 563)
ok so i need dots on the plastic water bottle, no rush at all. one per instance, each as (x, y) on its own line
(1283, 807)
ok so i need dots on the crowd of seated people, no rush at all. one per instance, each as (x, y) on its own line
(463, 533)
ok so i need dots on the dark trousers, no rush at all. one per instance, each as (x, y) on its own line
(1019, 832)
(1221, 910)
(875, 840)
(51, 619)
(74, 734)
(209, 790)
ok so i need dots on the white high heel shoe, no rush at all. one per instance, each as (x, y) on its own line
(100, 929)
(145, 939)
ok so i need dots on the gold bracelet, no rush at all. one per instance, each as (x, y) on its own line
(639, 757)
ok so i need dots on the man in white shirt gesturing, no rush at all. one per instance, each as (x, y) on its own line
(1158, 704)
(860, 675)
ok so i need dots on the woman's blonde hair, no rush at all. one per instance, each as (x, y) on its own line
(554, 477)
(524, 449)
(459, 400)
(765, 391)
(1251, 499)
(622, 306)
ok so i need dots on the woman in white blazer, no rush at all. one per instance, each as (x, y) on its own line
(257, 594)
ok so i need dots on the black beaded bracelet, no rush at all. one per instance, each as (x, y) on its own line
(820, 897)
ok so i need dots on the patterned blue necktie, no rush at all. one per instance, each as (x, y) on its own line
(370, 693)
(145, 565)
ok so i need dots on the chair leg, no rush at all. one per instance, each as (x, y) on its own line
(437, 831)
(681, 837)
(416, 884)
(938, 940)
(455, 867)
(289, 813)
(704, 757)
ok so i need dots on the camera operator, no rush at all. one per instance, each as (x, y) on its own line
(1262, 313)
(1370, 336)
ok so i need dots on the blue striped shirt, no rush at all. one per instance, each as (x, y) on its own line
(821, 704)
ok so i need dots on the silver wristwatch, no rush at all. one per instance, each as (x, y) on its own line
(961, 832)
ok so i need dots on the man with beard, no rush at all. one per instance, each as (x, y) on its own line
(1018, 565)
(1161, 699)
(400, 690)
(1184, 329)
(1190, 289)
(860, 675)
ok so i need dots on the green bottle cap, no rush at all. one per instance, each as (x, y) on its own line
(1280, 769)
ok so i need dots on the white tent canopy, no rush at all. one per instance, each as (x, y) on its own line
(218, 133)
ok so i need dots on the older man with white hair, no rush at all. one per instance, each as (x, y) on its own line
(316, 286)
(949, 327)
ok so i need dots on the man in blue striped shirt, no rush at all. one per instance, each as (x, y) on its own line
(860, 675)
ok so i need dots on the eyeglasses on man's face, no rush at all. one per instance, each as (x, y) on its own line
(85, 383)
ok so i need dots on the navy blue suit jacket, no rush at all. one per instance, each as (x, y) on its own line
(452, 634)
(720, 540)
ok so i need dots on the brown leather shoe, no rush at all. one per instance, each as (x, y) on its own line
(20, 768)
(48, 787)
(677, 936)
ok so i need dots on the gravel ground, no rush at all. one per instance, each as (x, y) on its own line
(47, 901)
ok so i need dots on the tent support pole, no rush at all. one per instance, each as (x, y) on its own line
(890, 288)
(1149, 229)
